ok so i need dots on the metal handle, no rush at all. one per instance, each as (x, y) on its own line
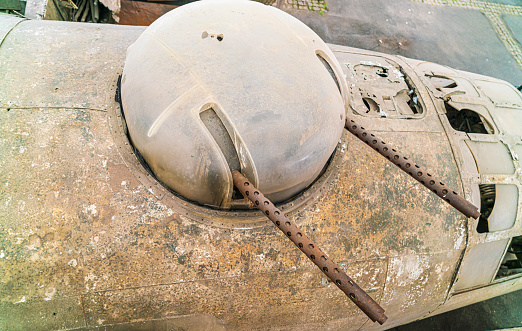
(310, 249)
(409, 167)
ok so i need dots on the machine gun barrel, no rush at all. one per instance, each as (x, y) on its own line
(412, 169)
(310, 249)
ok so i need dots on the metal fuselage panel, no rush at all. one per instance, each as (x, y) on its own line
(84, 243)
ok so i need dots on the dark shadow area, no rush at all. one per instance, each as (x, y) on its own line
(487, 202)
(465, 120)
(497, 313)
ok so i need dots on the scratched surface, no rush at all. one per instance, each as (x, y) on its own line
(55, 60)
(84, 243)
(83, 239)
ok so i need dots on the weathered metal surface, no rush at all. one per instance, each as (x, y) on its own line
(41, 66)
(124, 241)
(489, 254)
(195, 322)
(7, 23)
(84, 243)
(478, 294)
(111, 247)
(215, 217)
(395, 95)
(399, 67)
(249, 301)
(477, 278)
(409, 167)
(311, 250)
(420, 270)
(410, 280)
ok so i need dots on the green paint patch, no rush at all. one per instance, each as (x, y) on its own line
(182, 259)
(82, 115)
(192, 230)
(86, 134)
(380, 220)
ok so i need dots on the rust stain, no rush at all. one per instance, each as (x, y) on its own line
(120, 177)
(310, 249)
(86, 240)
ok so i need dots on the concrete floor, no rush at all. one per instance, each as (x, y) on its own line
(476, 36)
(464, 35)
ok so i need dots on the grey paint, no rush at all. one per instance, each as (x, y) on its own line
(480, 264)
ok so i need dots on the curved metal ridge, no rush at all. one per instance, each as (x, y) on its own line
(412, 169)
(8, 23)
(310, 249)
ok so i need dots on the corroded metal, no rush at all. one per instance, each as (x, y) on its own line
(94, 241)
(197, 213)
(310, 249)
(413, 170)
